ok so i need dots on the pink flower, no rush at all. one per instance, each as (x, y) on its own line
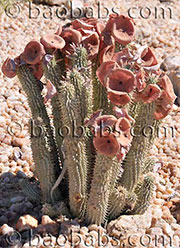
(165, 102)
(72, 38)
(123, 57)
(122, 112)
(106, 145)
(104, 70)
(9, 68)
(140, 80)
(121, 80)
(51, 91)
(150, 94)
(104, 123)
(52, 41)
(91, 43)
(33, 52)
(37, 70)
(123, 128)
(117, 97)
(121, 28)
(148, 58)
(107, 52)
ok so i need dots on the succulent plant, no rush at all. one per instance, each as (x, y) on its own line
(108, 98)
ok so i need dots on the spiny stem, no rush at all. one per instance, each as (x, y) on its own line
(46, 160)
(103, 175)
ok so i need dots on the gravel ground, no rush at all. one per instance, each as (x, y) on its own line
(163, 217)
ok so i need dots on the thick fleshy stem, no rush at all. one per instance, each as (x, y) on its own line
(54, 73)
(74, 150)
(103, 176)
(117, 201)
(56, 210)
(144, 192)
(46, 159)
(121, 201)
(100, 100)
(148, 165)
(76, 163)
(30, 190)
(81, 78)
(139, 147)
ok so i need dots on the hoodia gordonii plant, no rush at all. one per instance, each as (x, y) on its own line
(92, 160)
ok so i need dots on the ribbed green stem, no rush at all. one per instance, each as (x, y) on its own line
(103, 176)
(76, 162)
(30, 190)
(43, 147)
(144, 192)
(54, 73)
(74, 150)
(81, 78)
(117, 201)
(100, 100)
(56, 210)
(139, 147)
(148, 165)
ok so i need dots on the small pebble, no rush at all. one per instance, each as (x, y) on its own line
(16, 199)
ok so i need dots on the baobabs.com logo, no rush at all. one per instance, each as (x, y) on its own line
(98, 10)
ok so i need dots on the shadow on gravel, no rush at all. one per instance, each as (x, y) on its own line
(13, 202)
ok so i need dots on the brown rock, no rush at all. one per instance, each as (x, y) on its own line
(19, 142)
(155, 231)
(4, 229)
(7, 139)
(46, 220)
(172, 62)
(175, 79)
(26, 222)
(126, 224)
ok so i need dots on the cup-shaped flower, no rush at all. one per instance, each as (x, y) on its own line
(150, 94)
(91, 121)
(107, 144)
(51, 91)
(118, 98)
(37, 70)
(104, 124)
(9, 68)
(148, 58)
(122, 112)
(166, 85)
(165, 101)
(52, 41)
(104, 70)
(123, 57)
(81, 23)
(121, 28)
(91, 43)
(106, 120)
(121, 80)
(99, 27)
(123, 131)
(18, 60)
(33, 52)
(163, 106)
(140, 79)
(72, 38)
(107, 53)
